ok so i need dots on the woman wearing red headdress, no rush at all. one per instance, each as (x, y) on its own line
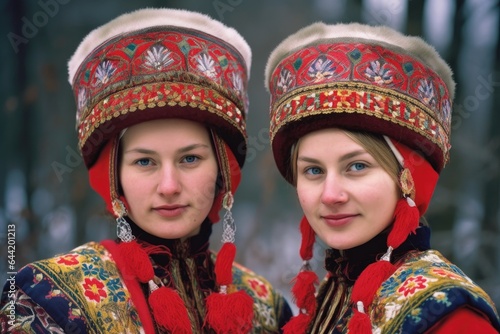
(360, 125)
(161, 106)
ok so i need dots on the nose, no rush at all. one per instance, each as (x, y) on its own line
(169, 182)
(334, 190)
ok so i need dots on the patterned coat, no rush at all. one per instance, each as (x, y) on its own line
(424, 289)
(83, 292)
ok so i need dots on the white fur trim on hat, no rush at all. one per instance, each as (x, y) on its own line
(150, 17)
(412, 45)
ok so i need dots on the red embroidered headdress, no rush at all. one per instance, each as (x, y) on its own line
(163, 63)
(362, 78)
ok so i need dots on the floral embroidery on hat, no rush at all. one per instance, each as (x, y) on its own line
(206, 65)
(426, 92)
(158, 70)
(82, 100)
(379, 74)
(285, 80)
(158, 58)
(104, 72)
(446, 109)
(237, 83)
(354, 81)
(321, 69)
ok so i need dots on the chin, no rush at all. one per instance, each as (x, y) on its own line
(341, 244)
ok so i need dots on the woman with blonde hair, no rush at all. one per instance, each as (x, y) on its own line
(360, 125)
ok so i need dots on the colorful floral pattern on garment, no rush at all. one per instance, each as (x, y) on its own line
(267, 303)
(83, 292)
(422, 291)
(373, 80)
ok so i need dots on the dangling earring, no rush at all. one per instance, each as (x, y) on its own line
(123, 229)
(407, 186)
(228, 227)
(228, 311)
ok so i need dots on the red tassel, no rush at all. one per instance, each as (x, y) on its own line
(308, 236)
(230, 313)
(370, 281)
(304, 289)
(298, 324)
(224, 264)
(364, 290)
(406, 220)
(360, 323)
(138, 261)
(169, 311)
(233, 312)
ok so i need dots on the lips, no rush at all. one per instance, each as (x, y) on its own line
(337, 220)
(170, 211)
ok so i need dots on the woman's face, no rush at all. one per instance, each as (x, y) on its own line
(168, 172)
(347, 197)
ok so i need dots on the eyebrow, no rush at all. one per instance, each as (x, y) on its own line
(181, 150)
(346, 156)
(192, 147)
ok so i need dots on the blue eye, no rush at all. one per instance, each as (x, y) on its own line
(313, 170)
(357, 166)
(143, 162)
(190, 159)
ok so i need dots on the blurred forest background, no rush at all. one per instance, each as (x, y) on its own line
(44, 188)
